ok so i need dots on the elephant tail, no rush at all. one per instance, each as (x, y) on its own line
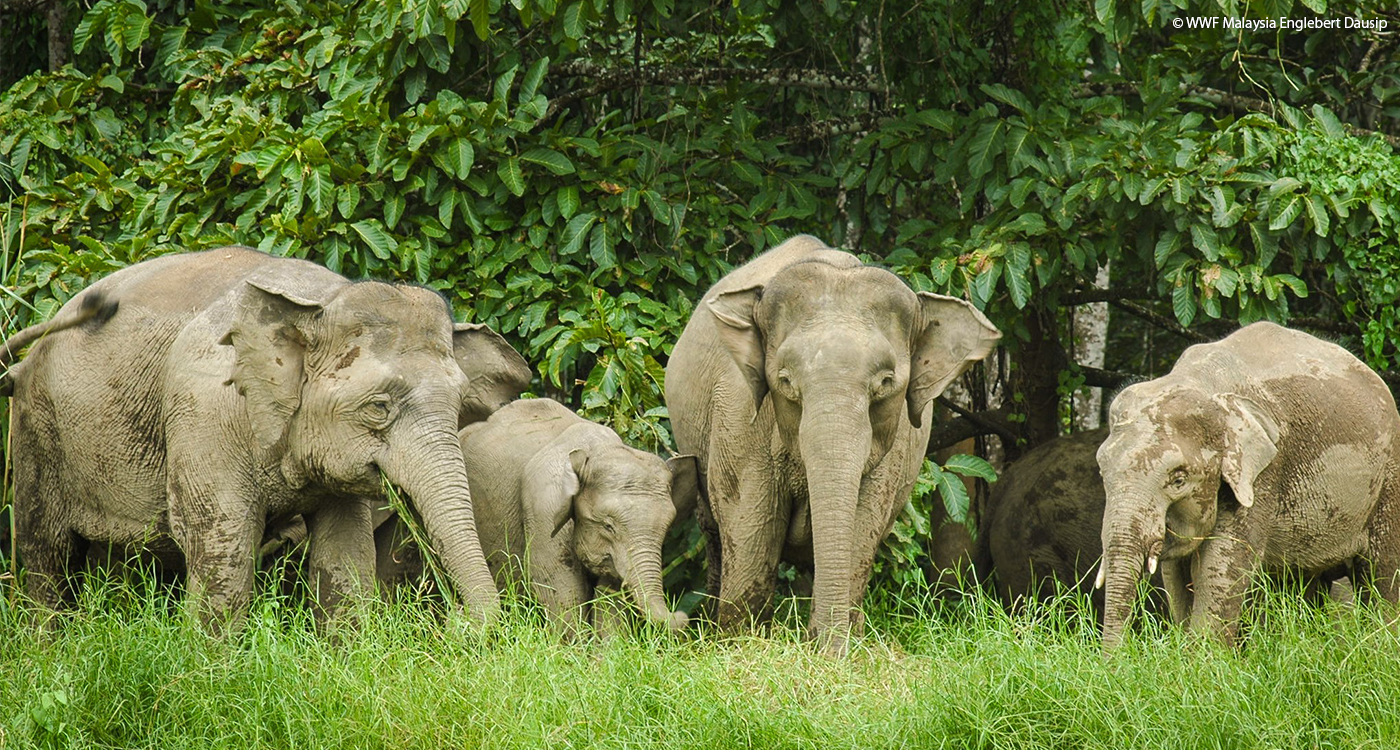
(93, 306)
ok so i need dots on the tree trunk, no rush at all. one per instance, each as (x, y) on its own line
(1040, 359)
(59, 41)
(1090, 335)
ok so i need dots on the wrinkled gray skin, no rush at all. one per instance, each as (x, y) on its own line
(233, 390)
(93, 307)
(803, 383)
(1043, 520)
(1267, 450)
(564, 505)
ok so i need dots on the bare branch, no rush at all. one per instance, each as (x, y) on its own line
(1109, 379)
(1161, 321)
(607, 79)
(969, 424)
(1090, 296)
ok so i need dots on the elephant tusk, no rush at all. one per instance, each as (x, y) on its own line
(1152, 565)
(1098, 580)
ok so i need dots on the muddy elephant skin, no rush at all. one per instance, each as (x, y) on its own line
(803, 383)
(232, 390)
(1043, 520)
(1267, 450)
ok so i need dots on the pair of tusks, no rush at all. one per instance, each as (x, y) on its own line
(1151, 570)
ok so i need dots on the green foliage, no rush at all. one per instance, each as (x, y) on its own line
(902, 552)
(575, 174)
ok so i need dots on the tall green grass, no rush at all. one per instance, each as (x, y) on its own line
(127, 670)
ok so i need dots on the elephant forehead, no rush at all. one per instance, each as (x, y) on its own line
(628, 471)
(1139, 451)
(806, 290)
(391, 318)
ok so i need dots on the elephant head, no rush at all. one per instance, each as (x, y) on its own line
(622, 502)
(1176, 456)
(343, 384)
(849, 357)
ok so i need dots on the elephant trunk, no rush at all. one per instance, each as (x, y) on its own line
(1122, 564)
(643, 582)
(431, 471)
(834, 438)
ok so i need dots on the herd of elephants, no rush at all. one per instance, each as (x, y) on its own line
(194, 407)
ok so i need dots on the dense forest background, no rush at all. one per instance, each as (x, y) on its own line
(1108, 184)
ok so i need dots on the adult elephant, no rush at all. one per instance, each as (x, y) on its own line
(1268, 450)
(803, 383)
(233, 390)
(1043, 519)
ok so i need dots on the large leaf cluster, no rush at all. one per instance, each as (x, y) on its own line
(576, 172)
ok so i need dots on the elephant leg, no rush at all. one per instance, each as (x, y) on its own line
(43, 540)
(1384, 540)
(219, 536)
(340, 555)
(1176, 577)
(753, 529)
(46, 554)
(714, 555)
(565, 600)
(1223, 569)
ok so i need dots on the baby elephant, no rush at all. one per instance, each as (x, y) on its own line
(567, 500)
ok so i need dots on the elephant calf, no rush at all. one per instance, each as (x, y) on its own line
(564, 502)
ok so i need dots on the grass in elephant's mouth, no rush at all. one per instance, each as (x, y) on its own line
(128, 671)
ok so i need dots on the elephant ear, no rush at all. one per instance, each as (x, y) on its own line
(685, 483)
(548, 488)
(496, 373)
(734, 315)
(951, 336)
(268, 336)
(1251, 443)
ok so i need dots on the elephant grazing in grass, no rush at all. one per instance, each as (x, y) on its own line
(564, 505)
(233, 390)
(1267, 450)
(803, 383)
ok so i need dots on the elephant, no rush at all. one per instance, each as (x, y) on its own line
(1043, 520)
(1269, 450)
(233, 390)
(563, 505)
(804, 383)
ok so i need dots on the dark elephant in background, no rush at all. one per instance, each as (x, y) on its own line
(232, 391)
(1043, 519)
(804, 383)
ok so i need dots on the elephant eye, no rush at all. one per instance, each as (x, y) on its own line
(378, 410)
(609, 527)
(884, 385)
(1177, 480)
(786, 387)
